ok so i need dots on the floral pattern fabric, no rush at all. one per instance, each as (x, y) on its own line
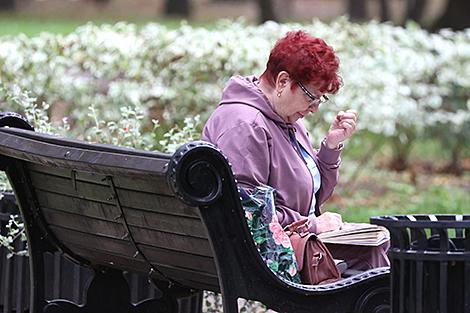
(270, 239)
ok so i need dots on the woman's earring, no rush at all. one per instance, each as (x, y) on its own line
(278, 94)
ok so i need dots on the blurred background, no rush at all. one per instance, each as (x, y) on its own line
(432, 14)
(147, 73)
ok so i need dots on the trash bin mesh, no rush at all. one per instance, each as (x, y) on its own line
(430, 262)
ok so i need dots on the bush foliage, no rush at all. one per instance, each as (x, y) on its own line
(402, 81)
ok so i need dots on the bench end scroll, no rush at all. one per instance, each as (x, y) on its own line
(12, 119)
(195, 173)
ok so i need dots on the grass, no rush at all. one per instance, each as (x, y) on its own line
(32, 25)
(375, 192)
(367, 188)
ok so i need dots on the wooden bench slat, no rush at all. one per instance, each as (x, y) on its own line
(167, 222)
(99, 193)
(154, 184)
(124, 249)
(197, 279)
(52, 150)
(116, 230)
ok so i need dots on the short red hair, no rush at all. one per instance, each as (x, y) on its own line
(307, 60)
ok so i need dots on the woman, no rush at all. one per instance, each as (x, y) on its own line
(258, 125)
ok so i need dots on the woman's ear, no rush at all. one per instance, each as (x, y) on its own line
(282, 81)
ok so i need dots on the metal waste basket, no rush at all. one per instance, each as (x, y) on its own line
(430, 262)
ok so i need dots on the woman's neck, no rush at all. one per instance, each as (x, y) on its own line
(271, 94)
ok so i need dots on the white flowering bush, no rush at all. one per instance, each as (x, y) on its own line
(4, 184)
(404, 82)
(14, 231)
(37, 115)
(124, 131)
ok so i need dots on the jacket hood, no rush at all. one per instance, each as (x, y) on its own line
(243, 90)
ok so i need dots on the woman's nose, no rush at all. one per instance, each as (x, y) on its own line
(313, 108)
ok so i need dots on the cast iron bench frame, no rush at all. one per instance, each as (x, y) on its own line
(200, 241)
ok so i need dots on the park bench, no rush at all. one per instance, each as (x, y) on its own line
(176, 217)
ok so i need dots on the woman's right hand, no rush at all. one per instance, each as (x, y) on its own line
(328, 221)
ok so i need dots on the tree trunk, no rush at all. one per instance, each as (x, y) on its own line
(178, 8)
(415, 9)
(100, 4)
(455, 16)
(357, 10)
(266, 11)
(7, 5)
(402, 145)
(384, 11)
(455, 165)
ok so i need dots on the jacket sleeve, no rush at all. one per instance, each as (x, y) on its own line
(287, 216)
(328, 164)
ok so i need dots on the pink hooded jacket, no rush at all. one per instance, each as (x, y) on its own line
(256, 141)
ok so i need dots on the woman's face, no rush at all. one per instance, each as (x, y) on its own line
(296, 100)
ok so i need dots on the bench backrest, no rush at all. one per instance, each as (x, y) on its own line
(111, 206)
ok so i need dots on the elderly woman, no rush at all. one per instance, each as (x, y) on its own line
(258, 125)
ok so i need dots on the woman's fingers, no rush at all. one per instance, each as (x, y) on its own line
(328, 221)
(348, 115)
(349, 126)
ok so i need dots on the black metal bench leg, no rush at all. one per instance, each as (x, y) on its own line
(230, 304)
(173, 299)
(229, 296)
(62, 306)
(37, 274)
(229, 301)
(376, 300)
(37, 244)
(107, 292)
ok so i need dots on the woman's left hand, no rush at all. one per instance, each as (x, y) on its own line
(342, 128)
(328, 221)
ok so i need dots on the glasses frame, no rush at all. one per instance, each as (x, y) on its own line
(314, 100)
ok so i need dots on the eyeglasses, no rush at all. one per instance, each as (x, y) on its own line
(313, 100)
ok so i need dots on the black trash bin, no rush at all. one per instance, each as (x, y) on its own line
(430, 262)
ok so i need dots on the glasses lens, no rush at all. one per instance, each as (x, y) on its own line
(312, 99)
(324, 99)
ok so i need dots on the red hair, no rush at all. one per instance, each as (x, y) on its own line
(307, 60)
